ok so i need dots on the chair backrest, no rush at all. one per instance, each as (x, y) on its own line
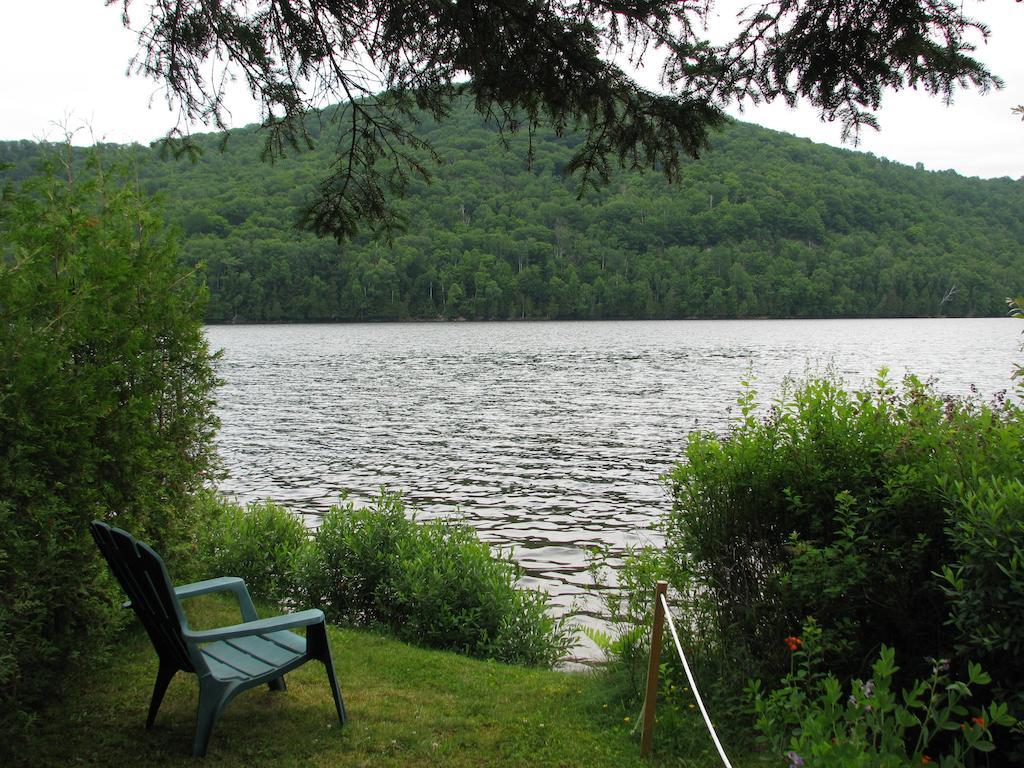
(144, 578)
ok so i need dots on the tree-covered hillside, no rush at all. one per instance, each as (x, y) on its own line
(764, 225)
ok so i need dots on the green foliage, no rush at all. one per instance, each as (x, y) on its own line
(765, 225)
(434, 584)
(353, 560)
(885, 516)
(833, 506)
(260, 542)
(890, 517)
(807, 721)
(984, 580)
(1017, 310)
(106, 411)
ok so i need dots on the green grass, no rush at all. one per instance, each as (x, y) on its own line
(407, 707)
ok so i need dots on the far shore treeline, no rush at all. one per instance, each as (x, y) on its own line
(765, 225)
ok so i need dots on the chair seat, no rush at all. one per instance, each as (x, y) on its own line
(244, 658)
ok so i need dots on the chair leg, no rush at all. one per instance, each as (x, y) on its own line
(318, 648)
(278, 684)
(211, 702)
(339, 704)
(163, 679)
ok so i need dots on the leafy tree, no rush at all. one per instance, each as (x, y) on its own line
(527, 62)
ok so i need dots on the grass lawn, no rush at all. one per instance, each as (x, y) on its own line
(407, 707)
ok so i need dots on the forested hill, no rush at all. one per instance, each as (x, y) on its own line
(765, 225)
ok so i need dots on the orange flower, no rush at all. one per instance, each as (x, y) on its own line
(793, 642)
(925, 759)
(979, 721)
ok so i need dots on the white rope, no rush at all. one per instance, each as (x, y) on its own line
(693, 683)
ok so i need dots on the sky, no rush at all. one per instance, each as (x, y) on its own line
(65, 62)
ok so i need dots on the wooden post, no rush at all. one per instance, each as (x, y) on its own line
(653, 664)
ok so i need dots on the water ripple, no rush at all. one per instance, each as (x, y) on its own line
(548, 438)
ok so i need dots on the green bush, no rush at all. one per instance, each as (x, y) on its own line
(834, 505)
(891, 517)
(353, 560)
(984, 582)
(432, 584)
(261, 542)
(106, 412)
(449, 591)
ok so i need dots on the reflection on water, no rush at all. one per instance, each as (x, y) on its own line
(548, 438)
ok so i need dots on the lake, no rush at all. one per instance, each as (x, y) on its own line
(549, 438)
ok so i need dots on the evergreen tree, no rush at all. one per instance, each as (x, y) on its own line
(528, 63)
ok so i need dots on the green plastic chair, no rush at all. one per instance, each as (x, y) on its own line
(228, 660)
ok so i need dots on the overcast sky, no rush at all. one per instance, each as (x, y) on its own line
(66, 61)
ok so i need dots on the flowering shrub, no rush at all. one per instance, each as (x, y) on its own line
(807, 721)
(892, 515)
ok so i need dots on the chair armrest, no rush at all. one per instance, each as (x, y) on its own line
(259, 627)
(222, 584)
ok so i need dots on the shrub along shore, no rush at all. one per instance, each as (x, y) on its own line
(850, 562)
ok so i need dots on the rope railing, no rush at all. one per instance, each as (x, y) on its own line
(661, 612)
